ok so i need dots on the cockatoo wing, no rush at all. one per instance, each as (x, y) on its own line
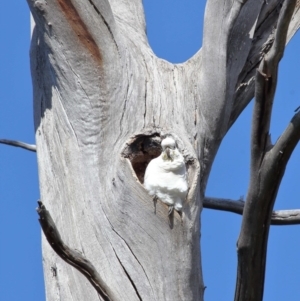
(167, 180)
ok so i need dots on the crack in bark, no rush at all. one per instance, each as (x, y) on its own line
(65, 112)
(127, 274)
(145, 97)
(105, 22)
(134, 257)
(123, 111)
(176, 93)
(113, 229)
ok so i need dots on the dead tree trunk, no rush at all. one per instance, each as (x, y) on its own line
(102, 101)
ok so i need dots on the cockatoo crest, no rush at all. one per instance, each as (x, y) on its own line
(165, 176)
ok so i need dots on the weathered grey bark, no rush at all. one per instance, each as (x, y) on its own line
(102, 100)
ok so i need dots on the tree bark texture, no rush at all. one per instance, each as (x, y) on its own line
(102, 102)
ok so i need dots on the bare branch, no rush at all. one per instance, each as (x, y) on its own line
(266, 82)
(30, 147)
(279, 218)
(70, 256)
(286, 143)
(277, 50)
(286, 217)
(224, 204)
(266, 171)
(261, 116)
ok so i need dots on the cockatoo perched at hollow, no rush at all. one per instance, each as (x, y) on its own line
(165, 176)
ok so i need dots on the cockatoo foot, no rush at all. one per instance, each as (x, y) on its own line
(154, 203)
(171, 209)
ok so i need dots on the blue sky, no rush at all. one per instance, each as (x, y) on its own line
(175, 31)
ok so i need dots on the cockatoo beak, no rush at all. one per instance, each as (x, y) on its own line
(168, 153)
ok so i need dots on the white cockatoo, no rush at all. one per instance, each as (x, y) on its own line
(165, 176)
